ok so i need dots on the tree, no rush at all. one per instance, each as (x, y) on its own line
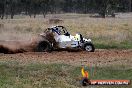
(34, 7)
(44, 6)
(104, 5)
(130, 5)
(2, 9)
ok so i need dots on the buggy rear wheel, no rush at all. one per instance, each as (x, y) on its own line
(44, 46)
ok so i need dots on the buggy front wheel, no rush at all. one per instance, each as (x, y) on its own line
(89, 47)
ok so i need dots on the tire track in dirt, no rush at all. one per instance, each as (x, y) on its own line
(97, 58)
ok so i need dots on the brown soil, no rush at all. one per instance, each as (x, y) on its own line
(97, 58)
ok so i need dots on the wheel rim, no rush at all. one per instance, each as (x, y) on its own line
(88, 48)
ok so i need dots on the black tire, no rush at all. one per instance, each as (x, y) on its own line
(89, 47)
(44, 46)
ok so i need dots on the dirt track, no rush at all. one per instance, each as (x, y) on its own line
(99, 57)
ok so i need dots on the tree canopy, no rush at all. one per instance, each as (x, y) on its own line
(34, 7)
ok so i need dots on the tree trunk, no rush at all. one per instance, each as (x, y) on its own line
(2, 17)
(34, 15)
(12, 15)
(44, 14)
(130, 5)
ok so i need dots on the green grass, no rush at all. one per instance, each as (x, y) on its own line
(113, 45)
(36, 75)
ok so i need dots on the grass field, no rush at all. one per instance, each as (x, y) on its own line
(56, 75)
(105, 33)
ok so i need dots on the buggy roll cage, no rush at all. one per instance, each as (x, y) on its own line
(60, 30)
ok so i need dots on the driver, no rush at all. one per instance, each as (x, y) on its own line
(60, 30)
(56, 30)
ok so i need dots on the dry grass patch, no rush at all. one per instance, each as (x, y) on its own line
(103, 31)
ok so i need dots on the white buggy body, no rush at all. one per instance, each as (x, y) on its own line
(66, 40)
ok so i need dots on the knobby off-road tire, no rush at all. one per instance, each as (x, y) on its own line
(44, 46)
(89, 47)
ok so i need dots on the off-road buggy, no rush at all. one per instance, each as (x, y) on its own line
(58, 37)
